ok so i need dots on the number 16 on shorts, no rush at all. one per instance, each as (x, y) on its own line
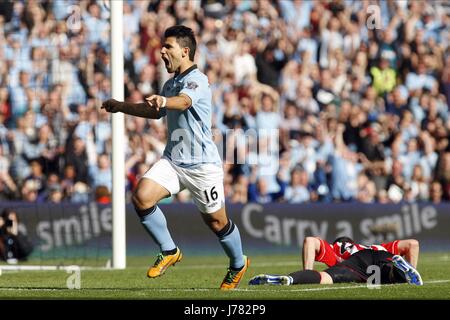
(214, 199)
(211, 195)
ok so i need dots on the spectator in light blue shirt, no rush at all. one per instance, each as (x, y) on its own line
(20, 97)
(417, 106)
(130, 20)
(63, 8)
(308, 44)
(432, 25)
(84, 127)
(97, 28)
(267, 118)
(101, 174)
(344, 178)
(297, 191)
(296, 13)
(429, 158)
(410, 159)
(102, 132)
(345, 170)
(420, 79)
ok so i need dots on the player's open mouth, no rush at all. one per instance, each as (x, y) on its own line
(166, 61)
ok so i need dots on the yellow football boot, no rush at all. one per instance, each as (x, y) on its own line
(163, 262)
(232, 278)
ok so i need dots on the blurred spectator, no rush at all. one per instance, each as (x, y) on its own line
(100, 173)
(37, 177)
(244, 64)
(396, 101)
(258, 189)
(18, 96)
(345, 170)
(29, 191)
(80, 193)
(384, 77)
(240, 190)
(419, 184)
(7, 185)
(102, 195)
(297, 191)
(443, 174)
(366, 189)
(268, 117)
(55, 194)
(96, 26)
(77, 157)
(420, 79)
(269, 63)
(68, 181)
(396, 184)
(435, 192)
(14, 245)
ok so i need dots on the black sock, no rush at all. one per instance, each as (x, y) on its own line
(398, 276)
(390, 274)
(305, 277)
(144, 212)
(229, 227)
(169, 252)
(236, 269)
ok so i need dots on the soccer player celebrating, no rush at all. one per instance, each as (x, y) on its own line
(190, 160)
(349, 262)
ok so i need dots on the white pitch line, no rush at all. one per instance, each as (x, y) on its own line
(445, 258)
(341, 288)
(289, 263)
(17, 268)
(437, 281)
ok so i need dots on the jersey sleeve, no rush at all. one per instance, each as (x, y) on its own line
(193, 88)
(391, 247)
(326, 254)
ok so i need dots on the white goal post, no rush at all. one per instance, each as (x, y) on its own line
(118, 135)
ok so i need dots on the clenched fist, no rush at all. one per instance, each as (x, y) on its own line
(112, 105)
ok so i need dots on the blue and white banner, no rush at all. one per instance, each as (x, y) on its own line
(57, 230)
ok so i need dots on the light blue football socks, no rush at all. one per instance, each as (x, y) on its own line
(230, 239)
(155, 223)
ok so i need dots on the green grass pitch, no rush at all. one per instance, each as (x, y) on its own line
(198, 278)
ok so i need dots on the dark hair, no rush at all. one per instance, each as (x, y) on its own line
(185, 38)
(344, 239)
(6, 212)
(5, 216)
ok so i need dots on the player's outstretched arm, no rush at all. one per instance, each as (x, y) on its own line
(409, 248)
(311, 247)
(180, 102)
(143, 110)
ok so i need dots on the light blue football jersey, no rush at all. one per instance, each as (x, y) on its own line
(189, 138)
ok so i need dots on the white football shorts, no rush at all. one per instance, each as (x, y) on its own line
(204, 182)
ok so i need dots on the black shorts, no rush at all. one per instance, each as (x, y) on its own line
(354, 269)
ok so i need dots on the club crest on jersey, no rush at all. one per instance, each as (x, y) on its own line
(191, 85)
(345, 246)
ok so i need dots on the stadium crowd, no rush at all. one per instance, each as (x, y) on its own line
(347, 104)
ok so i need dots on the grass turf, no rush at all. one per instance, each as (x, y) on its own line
(199, 278)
